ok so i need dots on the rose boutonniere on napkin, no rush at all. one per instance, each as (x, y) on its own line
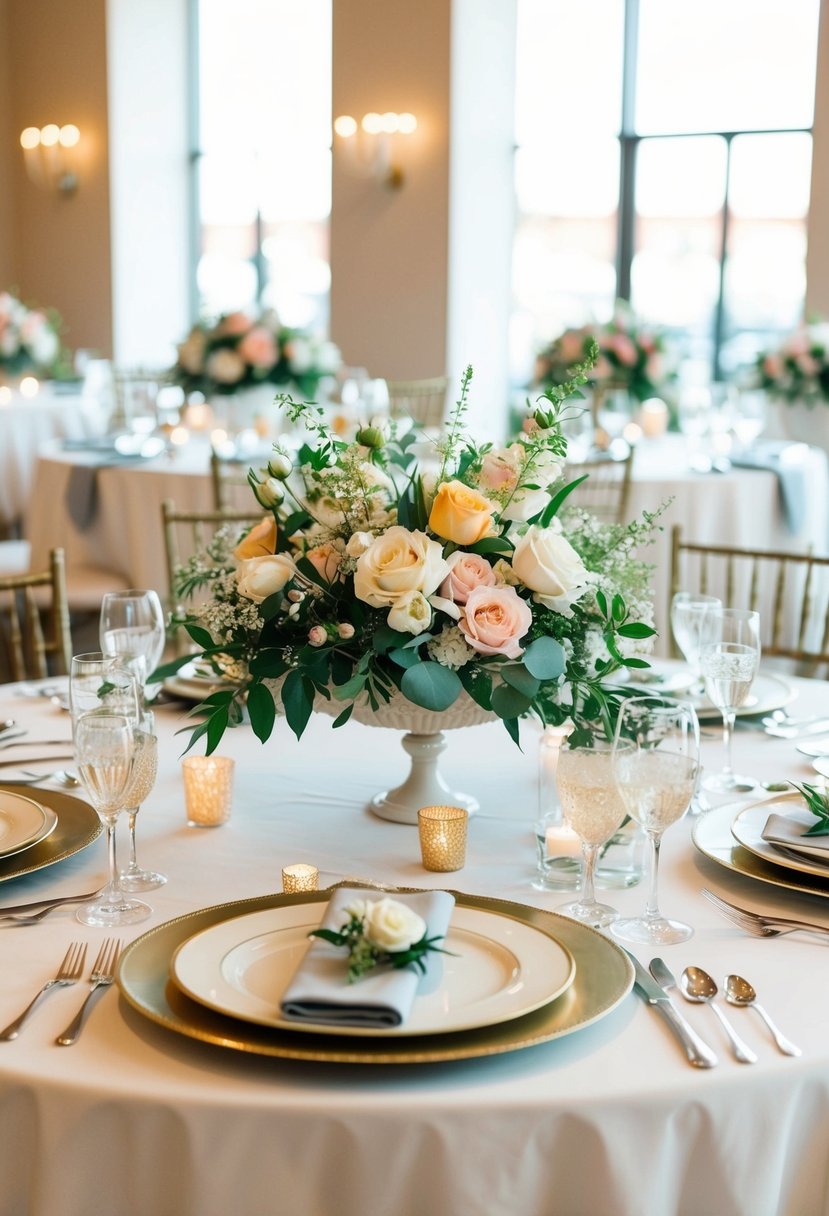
(818, 804)
(382, 932)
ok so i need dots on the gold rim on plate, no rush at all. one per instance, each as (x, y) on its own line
(78, 826)
(712, 836)
(604, 977)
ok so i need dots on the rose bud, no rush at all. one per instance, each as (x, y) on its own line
(317, 635)
(370, 437)
(279, 466)
(345, 630)
(269, 493)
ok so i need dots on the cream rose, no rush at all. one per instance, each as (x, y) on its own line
(397, 563)
(460, 514)
(548, 564)
(326, 560)
(259, 542)
(411, 614)
(260, 577)
(466, 572)
(225, 367)
(494, 620)
(392, 926)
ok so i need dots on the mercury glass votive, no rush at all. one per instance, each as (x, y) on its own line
(442, 831)
(300, 877)
(208, 789)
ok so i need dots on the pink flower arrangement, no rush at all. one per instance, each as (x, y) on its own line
(798, 370)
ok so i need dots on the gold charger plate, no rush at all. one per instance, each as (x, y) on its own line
(604, 977)
(78, 825)
(712, 836)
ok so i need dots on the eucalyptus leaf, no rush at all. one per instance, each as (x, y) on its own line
(508, 702)
(519, 678)
(544, 659)
(431, 686)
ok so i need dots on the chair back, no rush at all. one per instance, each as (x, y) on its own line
(228, 478)
(422, 400)
(606, 491)
(187, 533)
(789, 590)
(27, 602)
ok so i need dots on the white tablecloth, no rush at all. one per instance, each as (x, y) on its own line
(610, 1121)
(26, 424)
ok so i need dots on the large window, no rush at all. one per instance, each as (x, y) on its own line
(663, 156)
(263, 162)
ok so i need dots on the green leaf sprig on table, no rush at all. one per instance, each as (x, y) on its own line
(818, 803)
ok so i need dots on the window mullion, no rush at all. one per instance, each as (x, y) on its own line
(719, 313)
(627, 157)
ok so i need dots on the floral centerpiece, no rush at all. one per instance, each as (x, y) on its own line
(238, 352)
(377, 577)
(631, 356)
(798, 370)
(29, 337)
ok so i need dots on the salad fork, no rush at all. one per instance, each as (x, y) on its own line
(70, 971)
(101, 976)
(760, 924)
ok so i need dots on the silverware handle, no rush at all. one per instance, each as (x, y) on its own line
(696, 1049)
(37, 905)
(742, 1051)
(802, 925)
(70, 1034)
(11, 1031)
(786, 1046)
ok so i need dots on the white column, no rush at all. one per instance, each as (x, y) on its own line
(817, 253)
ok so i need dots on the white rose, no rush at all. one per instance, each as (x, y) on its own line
(411, 613)
(548, 564)
(260, 577)
(392, 926)
(358, 542)
(300, 356)
(397, 563)
(44, 346)
(225, 366)
(524, 504)
(359, 908)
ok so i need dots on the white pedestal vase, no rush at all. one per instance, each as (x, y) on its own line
(806, 423)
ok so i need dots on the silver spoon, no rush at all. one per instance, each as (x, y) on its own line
(741, 993)
(61, 777)
(698, 986)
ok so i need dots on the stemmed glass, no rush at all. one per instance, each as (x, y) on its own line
(656, 767)
(593, 809)
(687, 612)
(104, 754)
(132, 627)
(144, 772)
(98, 681)
(729, 658)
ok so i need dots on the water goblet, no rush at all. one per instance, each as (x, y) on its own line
(729, 658)
(687, 613)
(593, 809)
(132, 627)
(656, 766)
(99, 681)
(144, 772)
(104, 754)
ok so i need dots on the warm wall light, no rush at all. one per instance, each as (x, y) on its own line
(49, 153)
(370, 146)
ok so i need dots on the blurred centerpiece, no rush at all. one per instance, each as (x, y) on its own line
(29, 339)
(421, 594)
(795, 375)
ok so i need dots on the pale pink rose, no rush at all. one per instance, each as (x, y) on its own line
(233, 324)
(317, 635)
(655, 368)
(494, 620)
(797, 344)
(466, 572)
(773, 367)
(624, 348)
(571, 345)
(602, 369)
(497, 472)
(808, 366)
(258, 348)
(647, 343)
(529, 425)
(326, 561)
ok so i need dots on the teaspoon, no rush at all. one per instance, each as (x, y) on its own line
(698, 986)
(740, 992)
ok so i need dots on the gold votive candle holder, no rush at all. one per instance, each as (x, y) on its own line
(208, 789)
(442, 831)
(300, 877)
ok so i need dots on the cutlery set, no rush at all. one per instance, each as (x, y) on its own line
(70, 972)
(697, 987)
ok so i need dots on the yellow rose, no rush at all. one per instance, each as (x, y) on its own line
(461, 514)
(259, 542)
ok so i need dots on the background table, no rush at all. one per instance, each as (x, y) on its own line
(26, 424)
(609, 1121)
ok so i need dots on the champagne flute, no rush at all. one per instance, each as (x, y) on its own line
(104, 754)
(593, 809)
(99, 681)
(687, 614)
(132, 627)
(144, 772)
(729, 658)
(656, 767)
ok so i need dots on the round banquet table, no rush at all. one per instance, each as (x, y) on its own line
(608, 1121)
(26, 424)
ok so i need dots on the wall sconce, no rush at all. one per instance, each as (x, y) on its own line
(369, 147)
(50, 156)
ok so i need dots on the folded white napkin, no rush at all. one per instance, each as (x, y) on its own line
(786, 831)
(319, 991)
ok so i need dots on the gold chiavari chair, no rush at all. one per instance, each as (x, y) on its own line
(228, 475)
(789, 590)
(606, 491)
(26, 602)
(422, 400)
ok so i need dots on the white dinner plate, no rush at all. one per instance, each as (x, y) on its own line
(814, 747)
(821, 765)
(500, 968)
(193, 684)
(747, 830)
(23, 823)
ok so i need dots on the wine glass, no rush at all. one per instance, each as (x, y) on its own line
(656, 767)
(99, 681)
(132, 627)
(104, 754)
(593, 809)
(145, 769)
(687, 612)
(729, 658)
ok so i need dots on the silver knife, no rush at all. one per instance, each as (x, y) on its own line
(21, 760)
(6, 742)
(698, 1052)
(54, 902)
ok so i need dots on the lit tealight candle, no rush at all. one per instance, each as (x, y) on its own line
(29, 387)
(208, 789)
(442, 832)
(198, 416)
(300, 877)
(179, 435)
(653, 417)
(562, 841)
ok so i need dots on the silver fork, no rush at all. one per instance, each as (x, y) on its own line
(70, 971)
(762, 925)
(101, 976)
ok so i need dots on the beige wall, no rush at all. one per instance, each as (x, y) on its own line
(389, 249)
(6, 155)
(56, 64)
(817, 255)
